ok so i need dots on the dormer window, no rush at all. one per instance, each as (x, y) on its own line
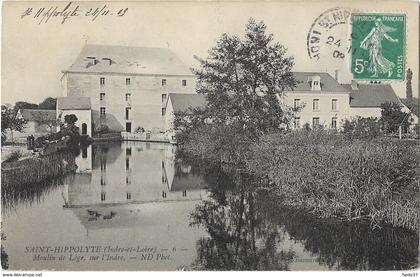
(108, 60)
(315, 82)
(92, 60)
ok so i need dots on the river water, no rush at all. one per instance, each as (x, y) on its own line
(136, 206)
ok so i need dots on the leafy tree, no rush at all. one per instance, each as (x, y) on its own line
(10, 122)
(25, 105)
(392, 117)
(49, 103)
(242, 80)
(42, 118)
(70, 119)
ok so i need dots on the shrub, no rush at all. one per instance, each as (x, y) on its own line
(13, 157)
(139, 130)
(102, 129)
(361, 128)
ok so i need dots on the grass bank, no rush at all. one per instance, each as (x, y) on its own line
(330, 176)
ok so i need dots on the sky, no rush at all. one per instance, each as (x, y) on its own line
(34, 55)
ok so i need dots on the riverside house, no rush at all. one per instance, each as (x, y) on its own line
(129, 84)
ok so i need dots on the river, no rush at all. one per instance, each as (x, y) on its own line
(136, 206)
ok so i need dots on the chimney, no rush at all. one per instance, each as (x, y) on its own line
(354, 85)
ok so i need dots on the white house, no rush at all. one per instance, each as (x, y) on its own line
(129, 84)
(79, 106)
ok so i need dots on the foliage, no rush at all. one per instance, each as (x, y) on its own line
(43, 119)
(412, 104)
(361, 128)
(14, 156)
(242, 80)
(9, 121)
(25, 105)
(392, 117)
(70, 119)
(49, 103)
(102, 129)
(139, 129)
(333, 177)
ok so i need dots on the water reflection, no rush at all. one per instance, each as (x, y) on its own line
(135, 193)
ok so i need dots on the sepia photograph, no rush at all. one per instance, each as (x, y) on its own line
(209, 136)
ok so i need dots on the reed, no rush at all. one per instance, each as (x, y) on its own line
(330, 176)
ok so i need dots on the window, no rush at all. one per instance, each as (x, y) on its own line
(127, 81)
(102, 181)
(101, 96)
(128, 180)
(334, 105)
(296, 123)
(184, 83)
(128, 196)
(103, 196)
(128, 151)
(163, 82)
(316, 83)
(184, 193)
(128, 97)
(163, 98)
(296, 103)
(102, 111)
(102, 81)
(315, 121)
(334, 122)
(163, 194)
(127, 164)
(163, 111)
(127, 113)
(315, 105)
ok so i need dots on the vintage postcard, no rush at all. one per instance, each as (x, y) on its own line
(210, 135)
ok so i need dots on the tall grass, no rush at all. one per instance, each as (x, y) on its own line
(37, 169)
(330, 176)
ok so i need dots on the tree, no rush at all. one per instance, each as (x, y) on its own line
(362, 128)
(49, 103)
(409, 90)
(70, 119)
(43, 118)
(25, 105)
(10, 122)
(242, 80)
(392, 117)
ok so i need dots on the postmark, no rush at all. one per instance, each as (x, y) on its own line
(328, 37)
(378, 43)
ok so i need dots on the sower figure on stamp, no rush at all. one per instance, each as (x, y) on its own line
(373, 43)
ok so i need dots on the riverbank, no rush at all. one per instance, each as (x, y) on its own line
(331, 177)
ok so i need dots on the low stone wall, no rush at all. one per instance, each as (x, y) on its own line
(152, 137)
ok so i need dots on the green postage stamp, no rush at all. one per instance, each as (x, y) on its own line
(378, 43)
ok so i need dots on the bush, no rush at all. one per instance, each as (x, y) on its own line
(139, 130)
(102, 129)
(361, 128)
(14, 156)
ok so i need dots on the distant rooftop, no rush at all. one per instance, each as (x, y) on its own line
(129, 60)
(328, 83)
(73, 103)
(184, 101)
(32, 114)
(371, 95)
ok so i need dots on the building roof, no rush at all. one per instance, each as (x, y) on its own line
(371, 95)
(31, 114)
(328, 83)
(184, 101)
(73, 103)
(128, 60)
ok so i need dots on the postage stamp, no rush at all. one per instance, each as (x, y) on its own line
(378, 43)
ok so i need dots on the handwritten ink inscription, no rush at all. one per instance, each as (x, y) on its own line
(71, 10)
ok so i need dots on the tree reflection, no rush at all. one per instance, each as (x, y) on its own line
(247, 227)
(240, 235)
